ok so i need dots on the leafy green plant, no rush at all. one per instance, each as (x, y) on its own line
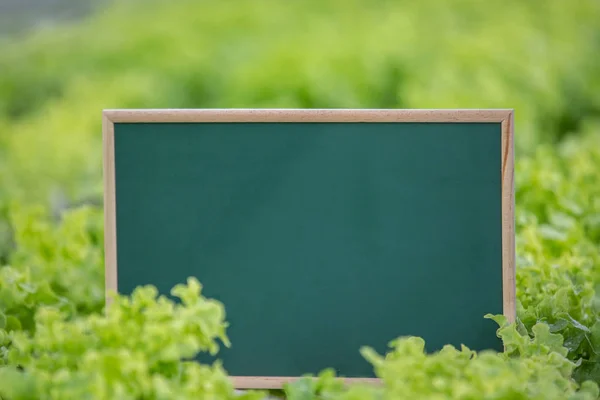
(67, 257)
(541, 371)
(134, 351)
(558, 227)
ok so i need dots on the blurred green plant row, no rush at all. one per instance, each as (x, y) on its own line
(541, 58)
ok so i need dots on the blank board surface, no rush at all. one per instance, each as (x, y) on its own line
(319, 231)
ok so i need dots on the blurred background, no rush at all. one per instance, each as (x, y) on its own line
(63, 61)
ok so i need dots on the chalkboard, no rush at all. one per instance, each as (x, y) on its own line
(320, 231)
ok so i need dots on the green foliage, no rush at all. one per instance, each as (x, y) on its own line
(558, 229)
(133, 352)
(61, 257)
(538, 57)
(407, 372)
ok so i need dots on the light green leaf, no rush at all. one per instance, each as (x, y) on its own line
(558, 325)
(553, 341)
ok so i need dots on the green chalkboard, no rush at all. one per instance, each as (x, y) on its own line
(320, 231)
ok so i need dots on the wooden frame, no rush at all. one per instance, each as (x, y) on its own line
(503, 116)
